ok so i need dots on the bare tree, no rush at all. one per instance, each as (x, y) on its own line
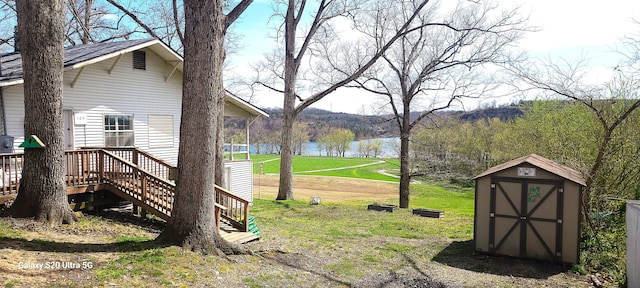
(42, 192)
(613, 104)
(437, 64)
(192, 224)
(90, 21)
(165, 20)
(8, 20)
(300, 136)
(87, 21)
(334, 65)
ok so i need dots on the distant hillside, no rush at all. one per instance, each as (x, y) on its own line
(502, 113)
(367, 126)
(364, 127)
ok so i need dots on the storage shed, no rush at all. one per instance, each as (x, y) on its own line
(529, 207)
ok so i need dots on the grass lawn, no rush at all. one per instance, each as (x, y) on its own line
(302, 165)
(327, 224)
(335, 244)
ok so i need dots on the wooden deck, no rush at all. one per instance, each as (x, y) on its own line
(134, 176)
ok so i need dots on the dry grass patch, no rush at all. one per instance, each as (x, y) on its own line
(330, 189)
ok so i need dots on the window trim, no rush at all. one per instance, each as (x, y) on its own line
(105, 131)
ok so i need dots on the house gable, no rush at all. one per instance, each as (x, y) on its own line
(100, 81)
(112, 87)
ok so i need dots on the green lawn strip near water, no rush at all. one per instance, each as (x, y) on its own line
(371, 172)
(308, 163)
(305, 165)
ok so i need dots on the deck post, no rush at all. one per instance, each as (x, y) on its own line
(246, 125)
(85, 165)
(101, 166)
(6, 181)
(218, 209)
(143, 183)
(134, 156)
(245, 221)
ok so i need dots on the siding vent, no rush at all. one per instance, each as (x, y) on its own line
(139, 60)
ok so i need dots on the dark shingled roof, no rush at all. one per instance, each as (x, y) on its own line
(11, 63)
(542, 163)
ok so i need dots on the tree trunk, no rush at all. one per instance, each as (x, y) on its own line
(42, 192)
(285, 190)
(192, 224)
(405, 171)
(219, 173)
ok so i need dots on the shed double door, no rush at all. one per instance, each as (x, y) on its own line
(526, 218)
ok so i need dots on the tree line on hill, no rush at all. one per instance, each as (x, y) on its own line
(321, 126)
(313, 125)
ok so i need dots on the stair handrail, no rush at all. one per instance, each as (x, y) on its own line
(237, 215)
(145, 177)
(136, 153)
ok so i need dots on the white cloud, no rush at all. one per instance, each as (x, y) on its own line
(579, 24)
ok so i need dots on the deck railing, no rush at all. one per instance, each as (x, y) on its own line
(83, 167)
(237, 212)
(116, 167)
(11, 168)
(142, 159)
(147, 190)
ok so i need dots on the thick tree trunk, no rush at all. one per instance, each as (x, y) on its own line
(285, 190)
(192, 224)
(42, 192)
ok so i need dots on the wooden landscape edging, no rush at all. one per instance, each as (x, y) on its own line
(428, 212)
(382, 207)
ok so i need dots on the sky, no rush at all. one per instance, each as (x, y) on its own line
(567, 29)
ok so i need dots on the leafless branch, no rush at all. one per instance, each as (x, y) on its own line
(134, 18)
(236, 12)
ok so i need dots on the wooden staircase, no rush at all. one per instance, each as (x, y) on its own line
(134, 176)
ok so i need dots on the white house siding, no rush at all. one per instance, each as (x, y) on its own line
(633, 247)
(240, 178)
(126, 91)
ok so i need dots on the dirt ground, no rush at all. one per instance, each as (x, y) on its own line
(266, 187)
(279, 261)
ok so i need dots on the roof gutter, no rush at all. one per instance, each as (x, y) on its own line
(11, 83)
(115, 54)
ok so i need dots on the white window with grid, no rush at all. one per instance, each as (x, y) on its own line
(118, 130)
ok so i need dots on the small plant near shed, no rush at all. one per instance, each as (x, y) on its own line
(604, 246)
(579, 269)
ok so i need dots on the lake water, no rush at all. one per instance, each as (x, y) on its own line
(390, 148)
